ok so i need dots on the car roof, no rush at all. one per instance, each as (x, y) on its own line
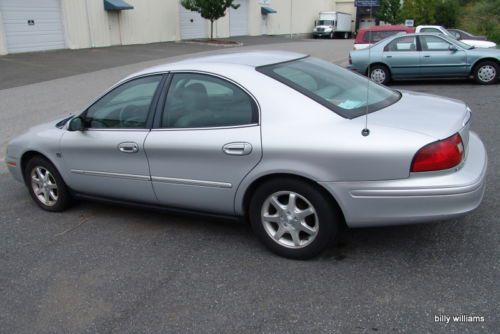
(247, 59)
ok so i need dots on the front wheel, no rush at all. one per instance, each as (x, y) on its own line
(45, 185)
(332, 35)
(380, 74)
(486, 73)
(293, 218)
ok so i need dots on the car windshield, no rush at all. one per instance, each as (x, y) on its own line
(349, 95)
(325, 22)
(459, 43)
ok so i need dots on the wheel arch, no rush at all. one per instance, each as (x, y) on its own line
(481, 60)
(27, 156)
(379, 63)
(250, 189)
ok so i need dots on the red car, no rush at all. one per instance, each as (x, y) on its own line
(374, 34)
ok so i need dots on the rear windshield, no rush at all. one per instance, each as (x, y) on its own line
(377, 36)
(348, 94)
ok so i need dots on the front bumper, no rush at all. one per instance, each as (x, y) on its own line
(321, 34)
(422, 197)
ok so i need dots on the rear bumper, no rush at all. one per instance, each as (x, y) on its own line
(422, 197)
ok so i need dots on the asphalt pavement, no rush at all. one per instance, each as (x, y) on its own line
(101, 268)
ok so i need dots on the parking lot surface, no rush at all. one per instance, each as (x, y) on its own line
(102, 268)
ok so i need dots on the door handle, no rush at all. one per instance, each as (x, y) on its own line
(388, 56)
(427, 56)
(237, 148)
(128, 147)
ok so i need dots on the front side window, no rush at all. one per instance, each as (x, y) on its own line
(126, 106)
(434, 43)
(199, 101)
(406, 43)
(332, 86)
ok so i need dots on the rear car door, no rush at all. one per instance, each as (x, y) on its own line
(107, 158)
(438, 60)
(403, 57)
(206, 139)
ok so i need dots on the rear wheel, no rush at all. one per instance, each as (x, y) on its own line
(380, 74)
(486, 73)
(45, 185)
(293, 218)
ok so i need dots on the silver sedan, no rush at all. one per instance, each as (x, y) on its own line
(295, 144)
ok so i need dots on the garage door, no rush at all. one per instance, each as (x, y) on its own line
(32, 25)
(238, 19)
(192, 24)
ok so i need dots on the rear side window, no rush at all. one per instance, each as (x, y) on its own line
(200, 101)
(405, 43)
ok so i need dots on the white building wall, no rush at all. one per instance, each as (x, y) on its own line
(87, 24)
(3, 42)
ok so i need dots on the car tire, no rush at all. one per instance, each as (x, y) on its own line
(332, 35)
(299, 233)
(380, 74)
(46, 185)
(346, 35)
(486, 73)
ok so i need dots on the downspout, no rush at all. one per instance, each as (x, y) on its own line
(88, 23)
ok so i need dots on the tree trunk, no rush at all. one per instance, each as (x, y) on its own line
(211, 30)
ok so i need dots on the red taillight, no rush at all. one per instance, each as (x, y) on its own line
(442, 154)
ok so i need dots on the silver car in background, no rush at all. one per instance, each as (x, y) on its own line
(276, 137)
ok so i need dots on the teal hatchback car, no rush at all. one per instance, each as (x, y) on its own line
(425, 55)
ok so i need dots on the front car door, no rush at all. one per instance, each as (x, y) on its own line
(107, 158)
(402, 57)
(206, 139)
(440, 58)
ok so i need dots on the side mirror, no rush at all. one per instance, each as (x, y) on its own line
(452, 48)
(76, 124)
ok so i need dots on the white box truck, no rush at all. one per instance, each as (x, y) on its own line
(333, 24)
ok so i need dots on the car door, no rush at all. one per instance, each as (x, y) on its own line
(108, 158)
(206, 139)
(440, 58)
(403, 58)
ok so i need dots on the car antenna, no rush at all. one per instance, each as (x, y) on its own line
(366, 131)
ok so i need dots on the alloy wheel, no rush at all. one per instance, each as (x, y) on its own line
(44, 186)
(290, 219)
(486, 73)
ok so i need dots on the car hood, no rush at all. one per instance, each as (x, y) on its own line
(485, 52)
(431, 115)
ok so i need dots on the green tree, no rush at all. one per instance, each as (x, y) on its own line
(447, 13)
(209, 9)
(389, 11)
(482, 17)
(422, 11)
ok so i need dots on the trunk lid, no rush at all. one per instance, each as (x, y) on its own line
(431, 115)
